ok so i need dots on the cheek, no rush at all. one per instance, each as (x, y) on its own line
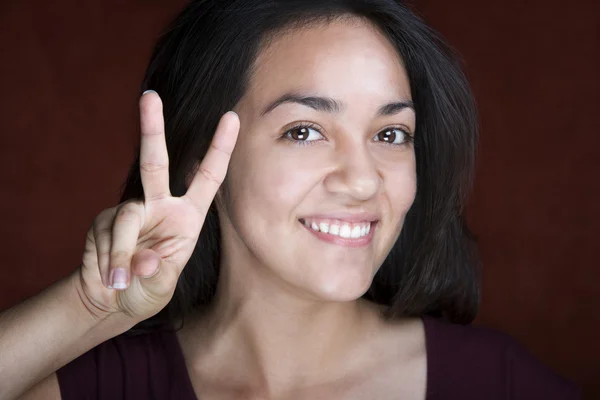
(401, 185)
(275, 182)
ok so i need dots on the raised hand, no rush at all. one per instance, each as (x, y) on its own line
(136, 251)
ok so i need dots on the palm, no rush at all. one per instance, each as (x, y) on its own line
(160, 232)
(172, 229)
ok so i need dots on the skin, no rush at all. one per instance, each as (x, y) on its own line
(288, 321)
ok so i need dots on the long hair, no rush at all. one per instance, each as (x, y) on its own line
(201, 68)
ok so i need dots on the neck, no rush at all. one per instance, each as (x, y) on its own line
(270, 344)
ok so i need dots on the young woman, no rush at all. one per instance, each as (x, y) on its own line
(292, 228)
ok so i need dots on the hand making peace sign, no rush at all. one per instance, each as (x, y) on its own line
(135, 252)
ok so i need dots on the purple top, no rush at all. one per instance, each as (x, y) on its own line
(463, 362)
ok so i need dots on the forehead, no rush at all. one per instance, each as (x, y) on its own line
(346, 59)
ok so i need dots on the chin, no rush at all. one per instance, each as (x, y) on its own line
(343, 290)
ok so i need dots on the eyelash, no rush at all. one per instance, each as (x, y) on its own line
(307, 125)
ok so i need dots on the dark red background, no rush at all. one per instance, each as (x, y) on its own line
(69, 79)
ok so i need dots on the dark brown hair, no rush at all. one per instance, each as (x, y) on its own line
(201, 67)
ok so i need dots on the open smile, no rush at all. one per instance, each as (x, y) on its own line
(349, 234)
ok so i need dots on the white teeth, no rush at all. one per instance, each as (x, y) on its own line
(345, 231)
(324, 227)
(338, 228)
(334, 229)
(355, 232)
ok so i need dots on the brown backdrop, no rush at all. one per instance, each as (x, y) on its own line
(69, 79)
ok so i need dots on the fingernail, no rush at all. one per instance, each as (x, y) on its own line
(119, 279)
(149, 91)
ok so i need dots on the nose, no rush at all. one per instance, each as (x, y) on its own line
(355, 175)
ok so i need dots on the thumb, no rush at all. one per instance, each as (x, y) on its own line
(149, 268)
(145, 263)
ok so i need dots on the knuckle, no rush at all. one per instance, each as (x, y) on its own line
(103, 216)
(154, 132)
(127, 214)
(156, 197)
(119, 257)
(152, 167)
(103, 256)
(103, 236)
(90, 239)
(220, 150)
(99, 233)
(209, 175)
(97, 220)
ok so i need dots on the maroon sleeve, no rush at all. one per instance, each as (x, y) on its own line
(77, 380)
(148, 366)
(529, 379)
(465, 363)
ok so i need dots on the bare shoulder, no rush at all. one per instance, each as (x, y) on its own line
(47, 389)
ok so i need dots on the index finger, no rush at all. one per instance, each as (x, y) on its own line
(154, 159)
(212, 169)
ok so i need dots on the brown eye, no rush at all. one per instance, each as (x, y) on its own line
(392, 136)
(303, 134)
(299, 133)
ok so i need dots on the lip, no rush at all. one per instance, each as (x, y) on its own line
(346, 242)
(345, 216)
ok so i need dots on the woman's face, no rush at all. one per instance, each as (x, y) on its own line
(324, 142)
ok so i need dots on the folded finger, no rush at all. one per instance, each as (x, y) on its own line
(102, 230)
(125, 232)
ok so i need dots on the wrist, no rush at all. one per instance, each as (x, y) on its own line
(90, 315)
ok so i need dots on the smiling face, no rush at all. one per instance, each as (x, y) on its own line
(323, 172)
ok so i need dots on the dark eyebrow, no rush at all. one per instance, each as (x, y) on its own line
(395, 108)
(325, 104)
(329, 105)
